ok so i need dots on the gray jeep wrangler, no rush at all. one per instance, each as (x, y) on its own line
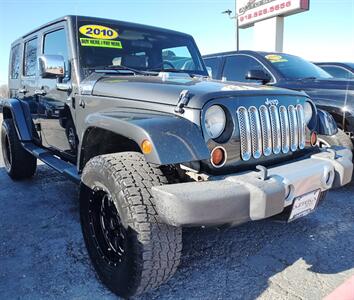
(129, 113)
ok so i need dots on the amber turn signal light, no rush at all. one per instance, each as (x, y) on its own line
(146, 147)
(313, 139)
(218, 157)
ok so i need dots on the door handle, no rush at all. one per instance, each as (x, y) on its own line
(40, 92)
(23, 91)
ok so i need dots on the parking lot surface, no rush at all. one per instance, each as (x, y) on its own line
(43, 256)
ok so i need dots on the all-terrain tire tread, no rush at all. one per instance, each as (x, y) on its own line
(162, 243)
(23, 164)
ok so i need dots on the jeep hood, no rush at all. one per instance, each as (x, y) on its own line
(167, 89)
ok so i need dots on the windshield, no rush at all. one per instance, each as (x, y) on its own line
(144, 49)
(294, 67)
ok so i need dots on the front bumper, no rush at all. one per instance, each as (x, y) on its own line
(253, 195)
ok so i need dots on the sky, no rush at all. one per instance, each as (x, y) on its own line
(325, 33)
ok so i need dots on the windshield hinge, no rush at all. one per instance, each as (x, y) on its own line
(182, 101)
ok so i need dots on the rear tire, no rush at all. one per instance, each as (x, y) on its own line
(130, 248)
(339, 139)
(19, 163)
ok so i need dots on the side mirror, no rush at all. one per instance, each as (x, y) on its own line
(51, 66)
(258, 75)
(210, 71)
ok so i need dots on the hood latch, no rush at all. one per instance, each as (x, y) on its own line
(182, 101)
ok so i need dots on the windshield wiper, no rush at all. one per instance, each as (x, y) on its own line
(118, 68)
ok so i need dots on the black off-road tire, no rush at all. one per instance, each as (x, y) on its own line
(152, 249)
(19, 163)
(339, 139)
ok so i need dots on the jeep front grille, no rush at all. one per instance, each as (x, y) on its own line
(264, 130)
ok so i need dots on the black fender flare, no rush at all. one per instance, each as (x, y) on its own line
(174, 139)
(21, 116)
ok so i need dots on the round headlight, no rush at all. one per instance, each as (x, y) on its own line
(215, 121)
(308, 112)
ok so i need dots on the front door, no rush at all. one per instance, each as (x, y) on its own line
(54, 107)
(237, 66)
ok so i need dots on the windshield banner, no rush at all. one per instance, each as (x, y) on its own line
(99, 36)
(100, 43)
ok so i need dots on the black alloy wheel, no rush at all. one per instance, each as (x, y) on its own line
(106, 228)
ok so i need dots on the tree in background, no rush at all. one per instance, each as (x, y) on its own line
(3, 91)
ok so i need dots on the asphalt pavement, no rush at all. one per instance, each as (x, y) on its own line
(43, 256)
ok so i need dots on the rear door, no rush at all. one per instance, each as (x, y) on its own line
(15, 69)
(29, 75)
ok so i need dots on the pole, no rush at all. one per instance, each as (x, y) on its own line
(237, 29)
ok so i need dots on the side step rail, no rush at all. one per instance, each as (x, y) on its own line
(63, 167)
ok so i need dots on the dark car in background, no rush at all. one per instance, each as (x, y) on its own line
(338, 69)
(292, 72)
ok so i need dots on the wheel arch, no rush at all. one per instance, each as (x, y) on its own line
(98, 141)
(174, 139)
(20, 113)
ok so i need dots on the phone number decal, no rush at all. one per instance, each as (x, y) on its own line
(265, 11)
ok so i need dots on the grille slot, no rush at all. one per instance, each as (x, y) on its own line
(284, 124)
(294, 130)
(301, 126)
(267, 130)
(245, 133)
(256, 133)
(275, 125)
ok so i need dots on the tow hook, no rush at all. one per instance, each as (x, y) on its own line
(263, 172)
